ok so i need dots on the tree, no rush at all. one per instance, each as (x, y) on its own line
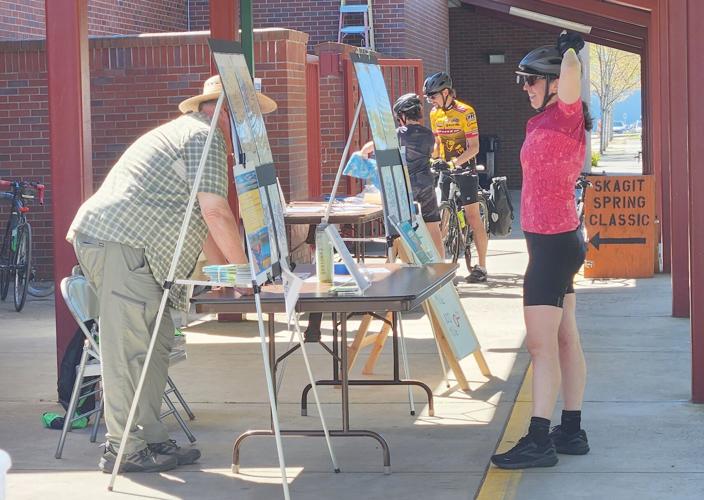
(615, 75)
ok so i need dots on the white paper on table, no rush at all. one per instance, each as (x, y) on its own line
(304, 210)
(349, 208)
(375, 270)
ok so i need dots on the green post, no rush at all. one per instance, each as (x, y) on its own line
(247, 36)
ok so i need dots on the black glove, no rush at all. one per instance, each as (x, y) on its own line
(569, 40)
(439, 164)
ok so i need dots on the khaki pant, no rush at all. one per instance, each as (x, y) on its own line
(129, 299)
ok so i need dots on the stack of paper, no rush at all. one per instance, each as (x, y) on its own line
(232, 274)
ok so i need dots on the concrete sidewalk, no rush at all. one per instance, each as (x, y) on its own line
(645, 436)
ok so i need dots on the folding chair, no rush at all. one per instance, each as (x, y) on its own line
(83, 304)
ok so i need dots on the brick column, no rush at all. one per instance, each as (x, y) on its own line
(333, 119)
(280, 61)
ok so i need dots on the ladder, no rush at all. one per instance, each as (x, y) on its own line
(365, 31)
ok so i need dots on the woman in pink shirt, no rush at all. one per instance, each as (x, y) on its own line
(552, 157)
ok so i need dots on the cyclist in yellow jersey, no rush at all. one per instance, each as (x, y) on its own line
(454, 124)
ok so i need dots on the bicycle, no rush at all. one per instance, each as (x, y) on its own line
(457, 234)
(16, 248)
(580, 195)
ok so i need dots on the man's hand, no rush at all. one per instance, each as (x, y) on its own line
(439, 164)
(569, 40)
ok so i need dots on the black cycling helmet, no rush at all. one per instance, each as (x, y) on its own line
(543, 61)
(437, 82)
(407, 104)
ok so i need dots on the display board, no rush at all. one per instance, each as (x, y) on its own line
(396, 191)
(445, 303)
(263, 219)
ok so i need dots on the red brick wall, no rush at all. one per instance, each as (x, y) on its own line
(333, 119)
(280, 58)
(318, 18)
(20, 20)
(411, 29)
(427, 33)
(24, 19)
(198, 15)
(117, 17)
(24, 132)
(502, 107)
(136, 84)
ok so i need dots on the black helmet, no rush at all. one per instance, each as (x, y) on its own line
(437, 82)
(407, 104)
(544, 61)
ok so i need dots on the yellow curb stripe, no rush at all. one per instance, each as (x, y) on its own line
(501, 484)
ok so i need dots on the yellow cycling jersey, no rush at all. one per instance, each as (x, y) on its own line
(453, 127)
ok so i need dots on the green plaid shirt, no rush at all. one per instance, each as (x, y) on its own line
(143, 200)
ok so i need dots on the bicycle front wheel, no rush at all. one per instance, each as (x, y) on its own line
(23, 264)
(6, 259)
(450, 231)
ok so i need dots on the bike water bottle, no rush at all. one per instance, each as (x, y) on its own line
(460, 218)
(323, 255)
(13, 239)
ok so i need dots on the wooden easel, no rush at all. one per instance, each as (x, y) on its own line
(362, 340)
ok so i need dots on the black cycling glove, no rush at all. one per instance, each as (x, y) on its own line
(569, 40)
(439, 164)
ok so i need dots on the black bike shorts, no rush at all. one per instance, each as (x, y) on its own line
(553, 262)
(424, 194)
(468, 185)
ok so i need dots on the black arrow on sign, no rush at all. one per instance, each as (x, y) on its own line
(596, 241)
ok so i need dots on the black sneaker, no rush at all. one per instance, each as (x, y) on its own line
(143, 460)
(185, 456)
(478, 275)
(527, 453)
(569, 444)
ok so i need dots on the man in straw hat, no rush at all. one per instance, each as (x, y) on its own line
(125, 236)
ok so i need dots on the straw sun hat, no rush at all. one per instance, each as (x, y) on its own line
(211, 91)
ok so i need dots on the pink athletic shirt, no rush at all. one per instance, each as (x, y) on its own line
(552, 157)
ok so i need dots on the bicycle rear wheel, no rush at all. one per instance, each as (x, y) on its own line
(39, 290)
(23, 263)
(450, 231)
(4, 283)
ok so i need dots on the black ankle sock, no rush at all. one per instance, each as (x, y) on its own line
(539, 429)
(571, 421)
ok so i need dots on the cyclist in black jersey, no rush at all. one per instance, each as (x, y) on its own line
(418, 142)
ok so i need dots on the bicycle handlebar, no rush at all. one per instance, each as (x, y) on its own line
(22, 184)
(442, 166)
(583, 182)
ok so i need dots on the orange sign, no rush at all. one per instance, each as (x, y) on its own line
(620, 223)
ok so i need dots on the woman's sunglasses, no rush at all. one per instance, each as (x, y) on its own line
(528, 79)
